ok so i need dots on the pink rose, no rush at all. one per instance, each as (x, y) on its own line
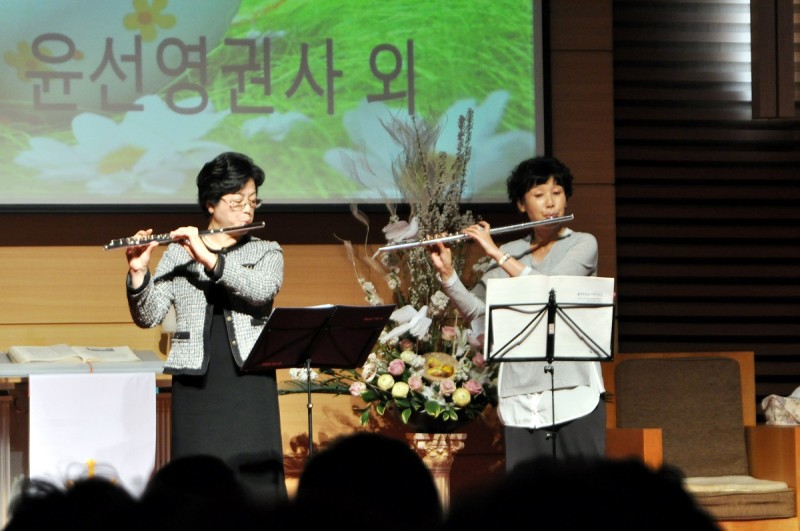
(415, 383)
(478, 360)
(473, 386)
(406, 344)
(447, 387)
(356, 388)
(396, 367)
(448, 333)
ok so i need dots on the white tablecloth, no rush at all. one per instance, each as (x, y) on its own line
(99, 424)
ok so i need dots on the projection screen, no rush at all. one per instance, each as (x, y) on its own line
(106, 102)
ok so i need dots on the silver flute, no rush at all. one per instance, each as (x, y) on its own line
(456, 237)
(166, 238)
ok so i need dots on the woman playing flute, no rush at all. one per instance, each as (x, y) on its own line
(222, 286)
(539, 189)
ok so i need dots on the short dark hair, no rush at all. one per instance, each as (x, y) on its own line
(535, 171)
(227, 173)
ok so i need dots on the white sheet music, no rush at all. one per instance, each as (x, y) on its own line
(516, 318)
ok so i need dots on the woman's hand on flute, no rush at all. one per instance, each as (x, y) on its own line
(192, 241)
(139, 257)
(442, 258)
(480, 234)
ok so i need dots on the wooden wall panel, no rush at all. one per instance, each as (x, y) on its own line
(582, 107)
(87, 285)
(581, 25)
(62, 285)
(583, 134)
(707, 219)
(593, 206)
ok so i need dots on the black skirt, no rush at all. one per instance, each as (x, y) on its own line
(231, 415)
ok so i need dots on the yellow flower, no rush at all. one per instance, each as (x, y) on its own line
(400, 390)
(147, 18)
(385, 382)
(461, 397)
(24, 61)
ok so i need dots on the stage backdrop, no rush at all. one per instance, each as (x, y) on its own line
(122, 101)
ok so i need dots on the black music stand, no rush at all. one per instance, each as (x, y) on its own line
(332, 337)
(529, 337)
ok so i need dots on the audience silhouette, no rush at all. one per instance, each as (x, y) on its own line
(364, 480)
(199, 492)
(375, 481)
(91, 504)
(571, 495)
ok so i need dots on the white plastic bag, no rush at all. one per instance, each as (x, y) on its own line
(782, 411)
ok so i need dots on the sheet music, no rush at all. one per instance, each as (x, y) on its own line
(516, 318)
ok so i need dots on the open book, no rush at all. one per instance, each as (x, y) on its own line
(66, 353)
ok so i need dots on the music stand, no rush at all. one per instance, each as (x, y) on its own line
(332, 337)
(517, 307)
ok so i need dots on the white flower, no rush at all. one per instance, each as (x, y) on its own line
(154, 150)
(462, 342)
(369, 370)
(276, 125)
(429, 394)
(370, 292)
(370, 161)
(439, 302)
(393, 280)
(302, 374)
(418, 363)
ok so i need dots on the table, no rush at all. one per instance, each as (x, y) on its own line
(13, 410)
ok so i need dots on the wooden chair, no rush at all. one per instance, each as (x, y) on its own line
(697, 412)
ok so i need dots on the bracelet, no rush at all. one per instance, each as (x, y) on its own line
(503, 259)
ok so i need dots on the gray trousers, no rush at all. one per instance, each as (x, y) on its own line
(584, 437)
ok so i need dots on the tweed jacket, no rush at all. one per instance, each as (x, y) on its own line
(251, 272)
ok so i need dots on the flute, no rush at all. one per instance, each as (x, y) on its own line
(165, 238)
(461, 236)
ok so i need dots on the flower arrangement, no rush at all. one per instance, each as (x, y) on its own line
(426, 365)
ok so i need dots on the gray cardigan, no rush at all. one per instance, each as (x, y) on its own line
(575, 253)
(251, 272)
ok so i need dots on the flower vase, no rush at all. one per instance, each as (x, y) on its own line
(438, 451)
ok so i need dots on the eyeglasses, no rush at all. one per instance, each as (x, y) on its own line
(238, 206)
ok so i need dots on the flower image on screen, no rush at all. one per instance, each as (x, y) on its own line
(122, 101)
